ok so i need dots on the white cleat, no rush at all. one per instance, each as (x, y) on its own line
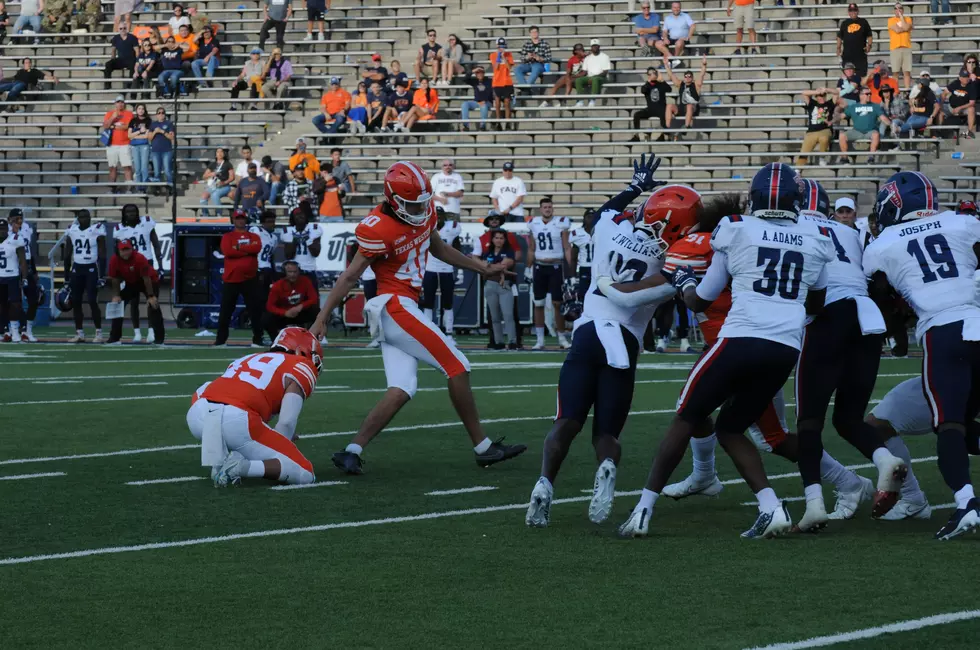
(78, 338)
(538, 346)
(692, 486)
(814, 519)
(563, 343)
(848, 502)
(685, 345)
(770, 524)
(908, 510)
(662, 344)
(98, 337)
(638, 525)
(374, 344)
(231, 471)
(28, 337)
(891, 475)
(138, 336)
(151, 337)
(603, 492)
(539, 509)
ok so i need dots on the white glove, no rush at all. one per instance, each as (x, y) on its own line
(529, 274)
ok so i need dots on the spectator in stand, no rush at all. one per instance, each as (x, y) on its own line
(219, 177)
(399, 104)
(357, 116)
(208, 56)
(277, 14)
(425, 105)
(655, 92)
(28, 77)
(688, 92)
(375, 107)
(293, 300)
(146, 71)
(30, 17)
(179, 18)
(573, 70)
(334, 105)
(315, 12)
(276, 175)
(482, 99)
(252, 191)
(162, 147)
(934, 9)
(879, 78)
(117, 151)
(298, 190)
(342, 171)
(132, 275)
(58, 17)
(277, 73)
(744, 19)
(127, 49)
(900, 43)
(139, 146)
(925, 81)
(250, 78)
(171, 71)
(447, 189)
(4, 22)
(924, 109)
(960, 99)
(329, 196)
(304, 161)
(241, 249)
(597, 66)
(849, 85)
(865, 118)
(395, 77)
(241, 169)
(123, 14)
(678, 29)
(896, 109)
(376, 71)
(155, 39)
(86, 20)
(498, 290)
(820, 106)
(535, 54)
(508, 193)
(854, 40)
(452, 59)
(647, 26)
(429, 57)
(970, 63)
(188, 47)
(502, 62)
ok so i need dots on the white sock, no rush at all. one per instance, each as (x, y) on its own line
(963, 496)
(813, 492)
(703, 450)
(14, 330)
(483, 446)
(355, 449)
(839, 476)
(547, 483)
(910, 488)
(80, 332)
(647, 499)
(539, 332)
(881, 455)
(428, 313)
(98, 332)
(768, 501)
(256, 469)
(448, 319)
(30, 327)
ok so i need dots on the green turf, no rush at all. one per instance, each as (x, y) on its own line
(468, 580)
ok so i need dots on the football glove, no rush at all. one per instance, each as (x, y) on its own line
(570, 285)
(529, 274)
(683, 278)
(643, 171)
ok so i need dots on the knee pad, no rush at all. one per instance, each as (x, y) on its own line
(539, 303)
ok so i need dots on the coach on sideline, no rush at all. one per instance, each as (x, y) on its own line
(241, 249)
(129, 267)
(293, 300)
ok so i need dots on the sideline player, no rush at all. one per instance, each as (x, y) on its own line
(141, 233)
(13, 276)
(600, 369)
(546, 254)
(777, 271)
(930, 258)
(32, 291)
(269, 236)
(230, 415)
(580, 253)
(84, 253)
(394, 240)
(440, 276)
(303, 240)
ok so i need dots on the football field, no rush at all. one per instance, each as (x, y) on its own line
(113, 536)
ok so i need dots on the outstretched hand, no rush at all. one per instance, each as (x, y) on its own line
(318, 329)
(684, 277)
(643, 171)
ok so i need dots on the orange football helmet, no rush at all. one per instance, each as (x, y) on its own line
(408, 191)
(300, 342)
(671, 213)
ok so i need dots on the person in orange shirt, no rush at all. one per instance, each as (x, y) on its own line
(425, 103)
(309, 163)
(117, 151)
(879, 78)
(502, 62)
(185, 41)
(334, 105)
(331, 208)
(744, 19)
(900, 44)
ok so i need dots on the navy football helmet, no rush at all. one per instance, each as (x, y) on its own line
(63, 299)
(776, 193)
(904, 197)
(815, 200)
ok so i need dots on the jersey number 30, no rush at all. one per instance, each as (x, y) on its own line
(938, 249)
(257, 370)
(787, 281)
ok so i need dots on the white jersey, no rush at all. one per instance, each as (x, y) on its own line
(845, 273)
(507, 192)
(442, 183)
(930, 261)
(139, 236)
(619, 249)
(27, 234)
(772, 265)
(583, 240)
(269, 242)
(85, 243)
(303, 257)
(448, 233)
(547, 238)
(9, 265)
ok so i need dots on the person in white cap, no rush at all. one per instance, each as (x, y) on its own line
(678, 29)
(845, 211)
(597, 66)
(925, 78)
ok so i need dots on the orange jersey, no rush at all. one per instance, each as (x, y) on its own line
(258, 382)
(397, 250)
(695, 251)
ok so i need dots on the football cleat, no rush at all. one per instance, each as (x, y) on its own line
(138, 336)
(98, 337)
(151, 336)
(78, 338)
(374, 344)
(692, 486)
(963, 519)
(905, 509)
(638, 525)
(539, 509)
(538, 346)
(848, 502)
(814, 519)
(563, 342)
(891, 475)
(685, 345)
(770, 524)
(662, 344)
(231, 471)
(28, 337)
(349, 462)
(499, 452)
(7, 338)
(603, 492)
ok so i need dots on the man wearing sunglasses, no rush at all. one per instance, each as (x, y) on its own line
(865, 118)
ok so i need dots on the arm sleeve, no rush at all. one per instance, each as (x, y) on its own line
(621, 201)
(637, 298)
(289, 412)
(715, 278)
(369, 241)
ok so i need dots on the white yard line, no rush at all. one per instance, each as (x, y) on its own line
(101, 454)
(176, 479)
(506, 392)
(308, 485)
(20, 477)
(476, 488)
(47, 382)
(128, 398)
(873, 632)
(145, 383)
